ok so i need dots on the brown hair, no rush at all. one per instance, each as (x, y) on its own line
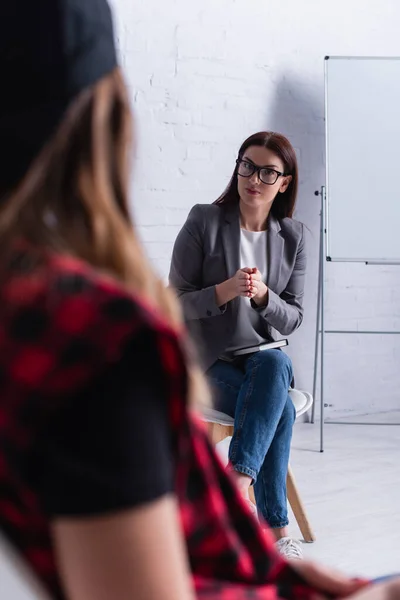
(284, 203)
(74, 199)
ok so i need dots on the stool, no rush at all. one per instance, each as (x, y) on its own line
(220, 426)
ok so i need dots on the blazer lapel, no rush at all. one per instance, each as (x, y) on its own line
(231, 244)
(231, 241)
(275, 245)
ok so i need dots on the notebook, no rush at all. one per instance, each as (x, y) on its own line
(267, 346)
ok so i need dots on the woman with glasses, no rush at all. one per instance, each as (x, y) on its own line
(239, 266)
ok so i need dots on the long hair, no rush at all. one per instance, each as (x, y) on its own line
(74, 200)
(284, 203)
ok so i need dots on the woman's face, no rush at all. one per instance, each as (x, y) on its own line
(258, 189)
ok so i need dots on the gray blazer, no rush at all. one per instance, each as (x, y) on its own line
(207, 252)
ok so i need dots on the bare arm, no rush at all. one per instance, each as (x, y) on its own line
(331, 583)
(138, 554)
(106, 473)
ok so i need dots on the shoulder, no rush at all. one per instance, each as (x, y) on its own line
(293, 232)
(105, 302)
(292, 228)
(206, 212)
(76, 319)
(202, 219)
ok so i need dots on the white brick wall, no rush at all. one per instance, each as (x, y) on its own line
(203, 76)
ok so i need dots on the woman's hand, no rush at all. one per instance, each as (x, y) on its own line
(329, 581)
(242, 283)
(238, 285)
(333, 583)
(390, 590)
(246, 282)
(258, 288)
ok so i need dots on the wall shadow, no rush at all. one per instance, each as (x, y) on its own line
(297, 111)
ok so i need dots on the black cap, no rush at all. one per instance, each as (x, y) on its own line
(50, 51)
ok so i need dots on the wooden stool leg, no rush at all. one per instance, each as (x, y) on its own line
(251, 495)
(298, 508)
(219, 432)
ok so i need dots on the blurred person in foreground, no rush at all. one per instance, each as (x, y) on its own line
(109, 487)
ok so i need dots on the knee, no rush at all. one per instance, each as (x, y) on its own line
(275, 361)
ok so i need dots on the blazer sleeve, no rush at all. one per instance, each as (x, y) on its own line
(186, 273)
(284, 312)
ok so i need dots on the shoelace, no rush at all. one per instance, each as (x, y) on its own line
(290, 548)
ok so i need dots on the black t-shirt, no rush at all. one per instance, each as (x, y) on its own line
(110, 448)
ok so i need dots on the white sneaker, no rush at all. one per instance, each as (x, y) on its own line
(290, 548)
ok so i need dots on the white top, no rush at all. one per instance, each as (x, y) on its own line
(253, 250)
(250, 330)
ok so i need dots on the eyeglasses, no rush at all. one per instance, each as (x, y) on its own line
(265, 174)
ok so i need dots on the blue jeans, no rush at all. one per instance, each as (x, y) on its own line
(256, 395)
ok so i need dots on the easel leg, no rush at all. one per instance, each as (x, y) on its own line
(320, 324)
(318, 320)
(323, 233)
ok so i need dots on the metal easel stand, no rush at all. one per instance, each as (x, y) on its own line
(320, 324)
(320, 332)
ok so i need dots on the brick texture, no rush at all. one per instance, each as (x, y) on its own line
(202, 77)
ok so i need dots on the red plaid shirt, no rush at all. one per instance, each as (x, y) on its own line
(47, 303)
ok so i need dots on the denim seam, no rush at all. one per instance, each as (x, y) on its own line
(228, 385)
(244, 411)
(253, 360)
(278, 525)
(246, 471)
(283, 522)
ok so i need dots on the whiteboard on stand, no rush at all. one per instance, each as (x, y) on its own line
(362, 104)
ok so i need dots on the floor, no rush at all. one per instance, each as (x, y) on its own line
(352, 494)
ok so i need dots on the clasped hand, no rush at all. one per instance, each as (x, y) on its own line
(248, 283)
